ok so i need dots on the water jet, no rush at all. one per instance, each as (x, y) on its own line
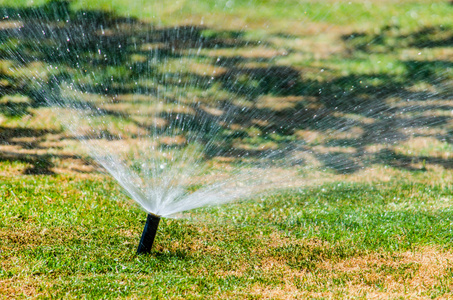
(184, 117)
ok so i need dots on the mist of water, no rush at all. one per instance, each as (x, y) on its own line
(182, 123)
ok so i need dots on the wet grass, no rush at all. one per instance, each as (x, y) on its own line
(329, 77)
(364, 88)
(66, 236)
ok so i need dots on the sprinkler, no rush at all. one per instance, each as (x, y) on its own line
(149, 233)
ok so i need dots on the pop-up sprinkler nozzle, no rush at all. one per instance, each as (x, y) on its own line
(148, 235)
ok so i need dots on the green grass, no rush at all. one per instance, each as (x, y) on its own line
(278, 17)
(258, 13)
(64, 236)
(365, 85)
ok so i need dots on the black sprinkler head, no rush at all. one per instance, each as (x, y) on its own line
(148, 235)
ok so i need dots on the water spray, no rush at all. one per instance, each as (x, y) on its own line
(148, 235)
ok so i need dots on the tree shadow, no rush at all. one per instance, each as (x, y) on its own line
(259, 106)
(39, 164)
(406, 162)
(391, 37)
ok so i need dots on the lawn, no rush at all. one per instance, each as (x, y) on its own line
(346, 106)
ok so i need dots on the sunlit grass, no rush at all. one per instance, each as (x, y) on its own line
(70, 236)
(278, 17)
(381, 228)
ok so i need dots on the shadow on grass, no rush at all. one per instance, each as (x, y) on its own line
(25, 139)
(106, 55)
(392, 37)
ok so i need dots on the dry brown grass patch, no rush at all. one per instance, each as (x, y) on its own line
(257, 52)
(279, 103)
(32, 236)
(14, 288)
(408, 274)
